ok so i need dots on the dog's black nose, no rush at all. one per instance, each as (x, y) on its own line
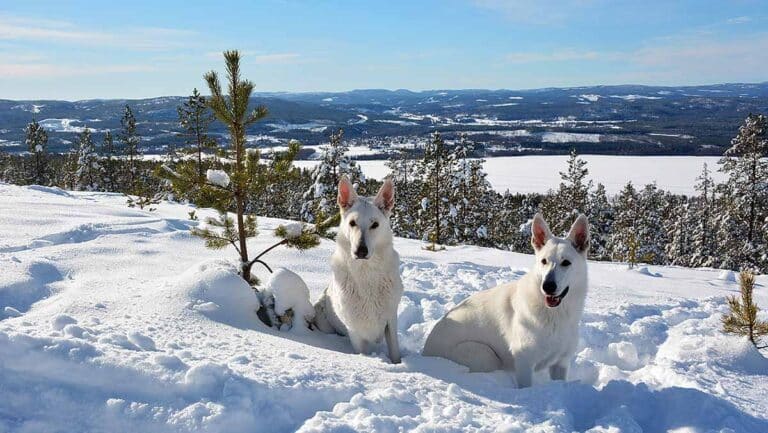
(550, 287)
(361, 252)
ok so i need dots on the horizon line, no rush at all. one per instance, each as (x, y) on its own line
(319, 92)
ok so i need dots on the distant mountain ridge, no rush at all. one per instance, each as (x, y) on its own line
(623, 119)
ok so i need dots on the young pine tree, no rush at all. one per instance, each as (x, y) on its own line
(88, 174)
(37, 144)
(232, 187)
(741, 319)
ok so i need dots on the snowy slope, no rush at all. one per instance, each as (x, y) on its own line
(114, 319)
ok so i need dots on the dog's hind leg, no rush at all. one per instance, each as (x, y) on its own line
(390, 334)
(558, 371)
(479, 357)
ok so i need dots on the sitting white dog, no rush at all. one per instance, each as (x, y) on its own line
(527, 325)
(362, 299)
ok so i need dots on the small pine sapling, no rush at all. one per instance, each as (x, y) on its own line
(741, 319)
(232, 188)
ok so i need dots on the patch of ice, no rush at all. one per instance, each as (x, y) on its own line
(569, 137)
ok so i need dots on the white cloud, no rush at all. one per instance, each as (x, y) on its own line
(259, 58)
(536, 11)
(705, 58)
(14, 28)
(739, 20)
(46, 70)
(700, 57)
(556, 56)
(279, 58)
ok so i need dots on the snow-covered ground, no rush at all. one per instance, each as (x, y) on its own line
(115, 319)
(537, 174)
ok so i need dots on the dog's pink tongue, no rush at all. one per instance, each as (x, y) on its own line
(552, 301)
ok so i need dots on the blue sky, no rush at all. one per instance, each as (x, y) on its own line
(95, 49)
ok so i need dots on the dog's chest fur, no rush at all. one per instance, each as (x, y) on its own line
(543, 334)
(365, 293)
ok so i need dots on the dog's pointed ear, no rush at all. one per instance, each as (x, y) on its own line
(385, 199)
(347, 195)
(540, 233)
(579, 234)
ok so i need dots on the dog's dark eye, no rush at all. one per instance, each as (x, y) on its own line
(352, 223)
(566, 263)
(375, 225)
(543, 261)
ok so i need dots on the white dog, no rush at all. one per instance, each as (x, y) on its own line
(526, 325)
(362, 299)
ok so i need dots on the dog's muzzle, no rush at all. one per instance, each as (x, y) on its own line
(553, 301)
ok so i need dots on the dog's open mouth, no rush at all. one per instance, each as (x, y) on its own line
(554, 301)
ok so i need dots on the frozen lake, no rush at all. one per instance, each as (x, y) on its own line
(526, 174)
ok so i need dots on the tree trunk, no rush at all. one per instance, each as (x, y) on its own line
(240, 203)
(752, 200)
(199, 148)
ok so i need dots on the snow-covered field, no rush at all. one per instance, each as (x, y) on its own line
(537, 174)
(117, 320)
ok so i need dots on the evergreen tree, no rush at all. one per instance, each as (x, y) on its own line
(407, 185)
(68, 171)
(600, 223)
(437, 168)
(88, 174)
(741, 319)
(679, 249)
(232, 186)
(472, 201)
(703, 227)
(109, 163)
(746, 194)
(572, 196)
(130, 139)
(624, 242)
(517, 211)
(320, 198)
(651, 228)
(37, 144)
(195, 118)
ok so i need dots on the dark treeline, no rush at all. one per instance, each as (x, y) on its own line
(443, 196)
